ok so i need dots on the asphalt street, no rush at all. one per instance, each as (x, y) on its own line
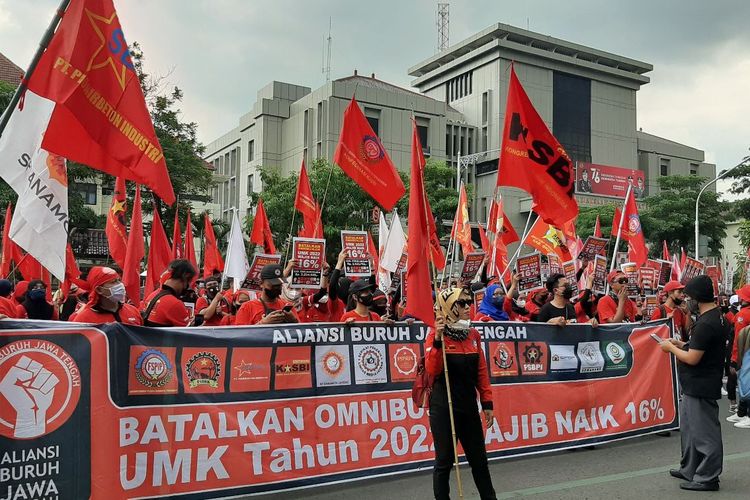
(634, 468)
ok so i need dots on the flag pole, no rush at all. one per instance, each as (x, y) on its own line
(46, 38)
(520, 244)
(619, 232)
(445, 359)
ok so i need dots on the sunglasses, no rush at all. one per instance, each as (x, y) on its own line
(463, 303)
(622, 281)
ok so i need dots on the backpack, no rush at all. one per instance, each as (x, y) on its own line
(743, 373)
(422, 388)
(151, 305)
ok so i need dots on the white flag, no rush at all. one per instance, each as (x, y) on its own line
(394, 248)
(40, 221)
(384, 276)
(236, 265)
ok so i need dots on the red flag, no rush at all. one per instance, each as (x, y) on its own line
(436, 250)
(683, 257)
(189, 253)
(305, 203)
(616, 221)
(484, 240)
(498, 223)
(419, 302)
(665, 251)
(101, 118)
(548, 239)
(117, 236)
(212, 261)
(131, 272)
(72, 273)
(362, 157)
(176, 237)
(533, 160)
(597, 228)
(11, 252)
(261, 233)
(159, 254)
(631, 230)
(461, 231)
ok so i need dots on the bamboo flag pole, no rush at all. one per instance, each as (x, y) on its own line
(520, 244)
(619, 231)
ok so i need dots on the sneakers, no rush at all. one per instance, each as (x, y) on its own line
(724, 392)
(734, 418)
(732, 407)
(744, 423)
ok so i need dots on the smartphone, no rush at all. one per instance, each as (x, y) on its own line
(287, 308)
(656, 338)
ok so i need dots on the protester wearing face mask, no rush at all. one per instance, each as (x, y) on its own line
(559, 311)
(7, 306)
(616, 307)
(700, 365)
(36, 306)
(361, 293)
(495, 304)
(675, 307)
(212, 306)
(535, 301)
(467, 372)
(106, 300)
(316, 307)
(269, 308)
(165, 307)
(238, 298)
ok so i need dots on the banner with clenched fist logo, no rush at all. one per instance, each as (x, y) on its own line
(126, 412)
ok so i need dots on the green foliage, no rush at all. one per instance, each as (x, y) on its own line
(670, 215)
(346, 205)
(587, 220)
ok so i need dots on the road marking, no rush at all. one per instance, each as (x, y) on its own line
(567, 485)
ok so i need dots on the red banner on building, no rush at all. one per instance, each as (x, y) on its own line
(605, 180)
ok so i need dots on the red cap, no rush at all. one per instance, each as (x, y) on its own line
(672, 286)
(613, 274)
(744, 293)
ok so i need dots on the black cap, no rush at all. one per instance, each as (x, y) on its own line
(700, 288)
(272, 273)
(360, 286)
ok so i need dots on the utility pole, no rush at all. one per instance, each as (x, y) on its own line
(443, 25)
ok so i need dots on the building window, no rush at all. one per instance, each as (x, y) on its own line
(485, 106)
(233, 192)
(225, 201)
(664, 167)
(227, 166)
(250, 150)
(459, 86)
(470, 149)
(305, 127)
(571, 114)
(87, 192)
(423, 126)
(250, 185)
(693, 169)
(373, 118)
(233, 162)
(484, 139)
(319, 150)
(319, 126)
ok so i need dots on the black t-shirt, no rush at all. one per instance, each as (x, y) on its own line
(550, 311)
(708, 334)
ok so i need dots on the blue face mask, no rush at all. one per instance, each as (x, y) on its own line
(498, 301)
(38, 294)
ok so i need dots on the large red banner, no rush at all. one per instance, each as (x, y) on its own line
(259, 409)
(605, 180)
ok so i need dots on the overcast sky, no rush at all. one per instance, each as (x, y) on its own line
(220, 52)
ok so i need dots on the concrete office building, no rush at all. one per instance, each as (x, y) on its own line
(586, 96)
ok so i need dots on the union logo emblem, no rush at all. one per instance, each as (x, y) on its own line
(371, 150)
(57, 169)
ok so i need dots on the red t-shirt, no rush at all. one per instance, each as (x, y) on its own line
(8, 307)
(607, 309)
(221, 310)
(336, 307)
(168, 311)
(678, 317)
(741, 320)
(252, 311)
(129, 315)
(315, 313)
(358, 318)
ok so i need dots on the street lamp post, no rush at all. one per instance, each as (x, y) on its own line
(712, 182)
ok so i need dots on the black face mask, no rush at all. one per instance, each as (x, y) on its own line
(677, 302)
(379, 309)
(272, 293)
(567, 292)
(725, 309)
(212, 290)
(541, 299)
(693, 306)
(366, 299)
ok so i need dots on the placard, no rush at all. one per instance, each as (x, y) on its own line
(472, 264)
(713, 273)
(309, 254)
(653, 264)
(600, 275)
(555, 265)
(650, 303)
(260, 260)
(648, 281)
(665, 272)
(592, 247)
(569, 270)
(357, 261)
(529, 268)
(691, 269)
(478, 298)
(631, 272)
(398, 274)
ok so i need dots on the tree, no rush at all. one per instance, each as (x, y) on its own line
(587, 220)
(669, 216)
(346, 205)
(741, 186)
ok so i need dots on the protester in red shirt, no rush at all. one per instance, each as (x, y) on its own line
(316, 307)
(741, 319)
(19, 295)
(617, 307)
(361, 293)
(165, 307)
(269, 308)
(675, 307)
(585, 306)
(535, 301)
(7, 306)
(238, 298)
(497, 305)
(212, 306)
(106, 300)
(36, 306)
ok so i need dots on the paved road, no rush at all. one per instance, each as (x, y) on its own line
(635, 468)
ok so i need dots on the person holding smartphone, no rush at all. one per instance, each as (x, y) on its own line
(269, 308)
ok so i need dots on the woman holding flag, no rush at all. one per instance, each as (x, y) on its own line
(468, 376)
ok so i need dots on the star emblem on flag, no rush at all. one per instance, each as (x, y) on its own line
(119, 66)
(117, 206)
(244, 368)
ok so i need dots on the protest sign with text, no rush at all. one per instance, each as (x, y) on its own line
(357, 262)
(529, 269)
(309, 255)
(260, 260)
